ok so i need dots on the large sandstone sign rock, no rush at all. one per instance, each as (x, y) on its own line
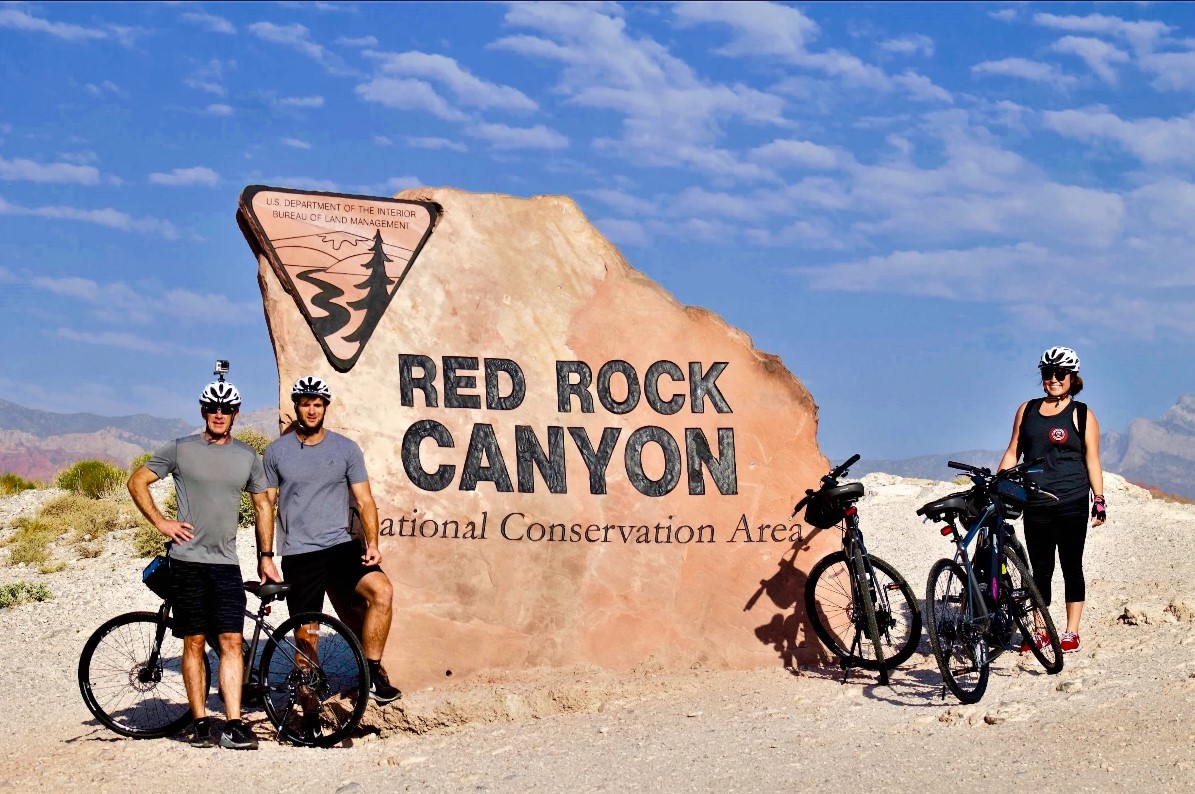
(571, 467)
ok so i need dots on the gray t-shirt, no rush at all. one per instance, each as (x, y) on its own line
(313, 489)
(208, 479)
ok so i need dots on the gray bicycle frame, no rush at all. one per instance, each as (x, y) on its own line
(981, 617)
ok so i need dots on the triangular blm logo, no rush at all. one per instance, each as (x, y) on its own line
(342, 257)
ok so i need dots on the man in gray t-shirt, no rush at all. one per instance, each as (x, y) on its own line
(207, 596)
(310, 475)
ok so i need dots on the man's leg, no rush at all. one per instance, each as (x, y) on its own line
(377, 592)
(232, 673)
(193, 653)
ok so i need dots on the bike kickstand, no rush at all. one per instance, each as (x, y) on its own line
(884, 677)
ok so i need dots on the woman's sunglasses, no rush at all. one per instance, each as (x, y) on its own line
(1054, 373)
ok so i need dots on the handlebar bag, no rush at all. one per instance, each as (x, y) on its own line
(1013, 496)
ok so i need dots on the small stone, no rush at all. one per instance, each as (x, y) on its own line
(603, 729)
(1070, 686)
(694, 713)
(349, 788)
(994, 718)
(412, 760)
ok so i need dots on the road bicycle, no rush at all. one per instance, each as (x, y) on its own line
(976, 605)
(860, 606)
(312, 679)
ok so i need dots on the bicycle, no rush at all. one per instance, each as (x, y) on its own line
(854, 599)
(313, 690)
(974, 605)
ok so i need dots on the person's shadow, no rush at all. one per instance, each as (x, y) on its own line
(789, 632)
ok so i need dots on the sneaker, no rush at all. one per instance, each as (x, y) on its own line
(1040, 640)
(379, 685)
(200, 734)
(1070, 641)
(237, 736)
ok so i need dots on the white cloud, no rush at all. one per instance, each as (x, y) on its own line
(111, 218)
(306, 102)
(1004, 14)
(127, 341)
(208, 86)
(295, 143)
(362, 41)
(1141, 35)
(186, 177)
(118, 301)
(622, 202)
(210, 77)
(397, 183)
(211, 22)
(466, 87)
(218, 109)
(1154, 141)
(502, 136)
(435, 143)
(802, 154)
(621, 231)
(1175, 71)
(1099, 55)
(30, 171)
(405, 94)
(1024, 69)
(16, 19)
(382, 140)
(921, 88)
(103, 88)
(304, 183)
(914, 44)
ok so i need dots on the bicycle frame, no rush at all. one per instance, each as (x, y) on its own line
(977, 609)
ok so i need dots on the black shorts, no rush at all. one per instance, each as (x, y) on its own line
(207, 598)
(337, 570)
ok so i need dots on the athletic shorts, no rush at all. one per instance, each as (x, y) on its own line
(207, 598)
(336, 569)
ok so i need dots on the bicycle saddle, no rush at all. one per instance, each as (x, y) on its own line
(939, 509)
(267, 591)
(851, 492)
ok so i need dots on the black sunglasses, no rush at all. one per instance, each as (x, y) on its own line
(220, 408)
(1054, 373)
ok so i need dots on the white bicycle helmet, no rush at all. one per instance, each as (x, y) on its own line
(1062, 357)
(310, 386)
(221, 393)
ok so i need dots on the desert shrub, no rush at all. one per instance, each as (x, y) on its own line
(30, 544)
(19, 592)
(147, 541)
(91, 478)
(170, 506)
(14, 483)
(83, 522)
(259, 442)
(139, 461)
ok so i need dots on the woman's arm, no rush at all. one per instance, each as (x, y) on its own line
(1095, 473)
(1010, 455)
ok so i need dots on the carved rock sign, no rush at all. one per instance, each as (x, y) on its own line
(571, 468)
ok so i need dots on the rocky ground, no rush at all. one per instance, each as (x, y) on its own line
(1119, 716)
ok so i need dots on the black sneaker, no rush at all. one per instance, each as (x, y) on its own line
(379, 686)
(237, 736)
(200, 734)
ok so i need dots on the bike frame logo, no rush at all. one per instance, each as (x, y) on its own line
(342, 257)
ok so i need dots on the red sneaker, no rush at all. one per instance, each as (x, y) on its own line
(1070, 641)
(1040, 639)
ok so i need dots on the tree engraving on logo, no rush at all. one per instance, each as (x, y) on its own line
(342, 257)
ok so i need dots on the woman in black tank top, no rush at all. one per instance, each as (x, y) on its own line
(1067, 435)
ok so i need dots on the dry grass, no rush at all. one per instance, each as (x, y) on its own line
(19, 592)
(30, 544)
(14, 483)
(147, 541)
(76, 521)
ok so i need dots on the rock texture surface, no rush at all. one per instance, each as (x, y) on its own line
(660, 580)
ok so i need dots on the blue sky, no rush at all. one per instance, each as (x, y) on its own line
(906, 202)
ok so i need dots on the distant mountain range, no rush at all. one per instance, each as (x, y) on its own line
(38, 444)
(1158, 453)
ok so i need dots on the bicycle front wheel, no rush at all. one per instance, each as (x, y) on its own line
(959, 648)
(838, 620)
(1030, 612)
(131, 677)
(316, 684)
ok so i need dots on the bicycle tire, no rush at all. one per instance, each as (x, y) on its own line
(337, 686)
(1029, 611)
(831, 612)
(952, 640)
(122, 692)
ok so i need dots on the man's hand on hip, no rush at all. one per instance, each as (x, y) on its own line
(178, 531)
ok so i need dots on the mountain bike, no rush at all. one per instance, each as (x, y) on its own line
(975, 605)
(312, 679)
(860, 606)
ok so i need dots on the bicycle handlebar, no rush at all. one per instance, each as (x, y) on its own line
(842, 469)
(828, 481)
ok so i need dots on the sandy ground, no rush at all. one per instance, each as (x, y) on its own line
(1119, 716)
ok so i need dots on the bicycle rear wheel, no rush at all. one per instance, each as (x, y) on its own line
(1030, 613)
(124, 690)
(314, 698)
(959, 648)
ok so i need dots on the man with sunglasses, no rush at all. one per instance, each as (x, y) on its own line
(210, 471)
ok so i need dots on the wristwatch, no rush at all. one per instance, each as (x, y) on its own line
(261, 554)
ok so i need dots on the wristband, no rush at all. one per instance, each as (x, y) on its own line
(1099, 510)
(262, 554)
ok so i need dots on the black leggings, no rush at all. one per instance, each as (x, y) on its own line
(1062, 527)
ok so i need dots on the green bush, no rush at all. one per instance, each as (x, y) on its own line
(147, 541)
(30, 544)
(139, 461)
(91, 478)
(14, 483)
(19, 592)
(259, 442)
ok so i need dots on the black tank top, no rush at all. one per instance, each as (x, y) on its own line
(1055, 438)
